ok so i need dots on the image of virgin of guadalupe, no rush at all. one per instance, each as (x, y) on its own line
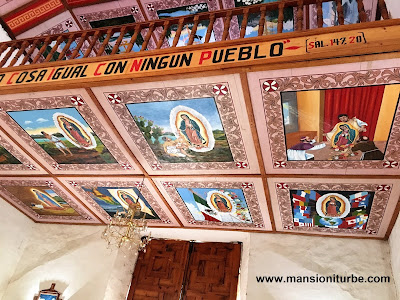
(222, 204)
(345, 137)
(332, 207)
(46, 199)
(127, 198)
(75, 132)
(191, 130)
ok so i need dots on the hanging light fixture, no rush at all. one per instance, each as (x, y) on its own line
(125, 231)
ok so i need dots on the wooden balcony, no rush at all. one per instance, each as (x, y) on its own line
(226, 33)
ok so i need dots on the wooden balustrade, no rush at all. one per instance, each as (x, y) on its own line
(137, 36)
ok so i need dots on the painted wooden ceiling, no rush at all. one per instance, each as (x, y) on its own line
(252, 151)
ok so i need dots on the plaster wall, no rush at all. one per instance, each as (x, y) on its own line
(15, 231)
(394, 242)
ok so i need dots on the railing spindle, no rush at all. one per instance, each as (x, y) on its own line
(210, 28)
(79, 46)
(281, 17)
(178, 32)
(320, 16)
(19, 53)
(194, 30)
(340, 12)
(133, 38)
(29, 53)
(148, 36)
(163, 34)
(119, 40)
(261, 23)
(95, 39)
(227, 24)
(41, 51)
(244, 23)
(58, 42)
(361, 12)
(383, 9)
(299, 15)
(67, 46)
(105, 42)
(8, 55)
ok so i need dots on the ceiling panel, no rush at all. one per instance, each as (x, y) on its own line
(106, 196)
(352, 207)
(178, 127)
(44, 200)
(67, 133)
(217, 202)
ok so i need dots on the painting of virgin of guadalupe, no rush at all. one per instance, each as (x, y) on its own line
(42, 200)
(64, 135)
(351, 124)
(183, 131)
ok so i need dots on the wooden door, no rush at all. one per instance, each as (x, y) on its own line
(213, 272)
(159, 272)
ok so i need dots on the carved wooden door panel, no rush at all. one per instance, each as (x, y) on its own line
(159, 272)
(213, 272)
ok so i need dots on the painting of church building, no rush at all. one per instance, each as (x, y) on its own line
(202, 26)
(42, 200)
(183, 130)
(216, 205)
(64, 135)
(338, 209)
(351, 124)
(117, 199)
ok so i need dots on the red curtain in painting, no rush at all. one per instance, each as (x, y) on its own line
(364, 103)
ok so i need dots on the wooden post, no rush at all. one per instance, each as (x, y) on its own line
(148, 36)
(133, 38)
(320, 16)
(58, 42)
(41, 51)
(281, 17)
(261, 23)
(8, 55)
(194, 29)
(105, 42)
(28, 55)
(244, 23)
(119, 40)
(227, 24)
(163, 34)
(178, 31)
(383, 9)
(340, 12)
(95, 39)
(79, 46)
(361, 12)
(18, 55)
(210, 28)
(299, 15)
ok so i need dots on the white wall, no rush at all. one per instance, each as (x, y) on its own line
(393, 7)
(14, 232)
(394, 242)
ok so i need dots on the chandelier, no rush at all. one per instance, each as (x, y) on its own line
(125, 232)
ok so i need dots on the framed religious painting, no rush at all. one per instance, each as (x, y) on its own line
(344, 121)
(45, 200)
(48, 294)
(184, 128)
(167, 9)
(13, 160)
(340, 206)
(66, 132)
(217, 202)
(114, 13)
(108, 196)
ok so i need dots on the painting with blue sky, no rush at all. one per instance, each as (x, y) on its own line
(182, 131)
(216, 205)
(201, 31)
(64, 135)
(47, 297)
(113, 199)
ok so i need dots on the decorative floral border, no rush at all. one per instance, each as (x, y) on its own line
(134, 10)
(84, 216)
(77, 186)
(379, 203)
(67, 101)
(26, 163)
(153, 6)
(271, 99)
(223, 99)
(249, 193)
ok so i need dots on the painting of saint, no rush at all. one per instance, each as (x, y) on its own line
(183, 130)
(7, 158)
(338, 209)
(64, 135)
(202, 26)
(216, 205)
(47, 297)
(42, 200)
(350, 124)
(113, 199)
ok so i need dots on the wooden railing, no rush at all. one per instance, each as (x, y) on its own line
(172, 32)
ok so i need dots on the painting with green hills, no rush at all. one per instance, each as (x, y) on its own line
(183, 131)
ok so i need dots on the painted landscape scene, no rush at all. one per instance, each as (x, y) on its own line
(183, 131)
(113, 199)
(7, 158)
(64, 135)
